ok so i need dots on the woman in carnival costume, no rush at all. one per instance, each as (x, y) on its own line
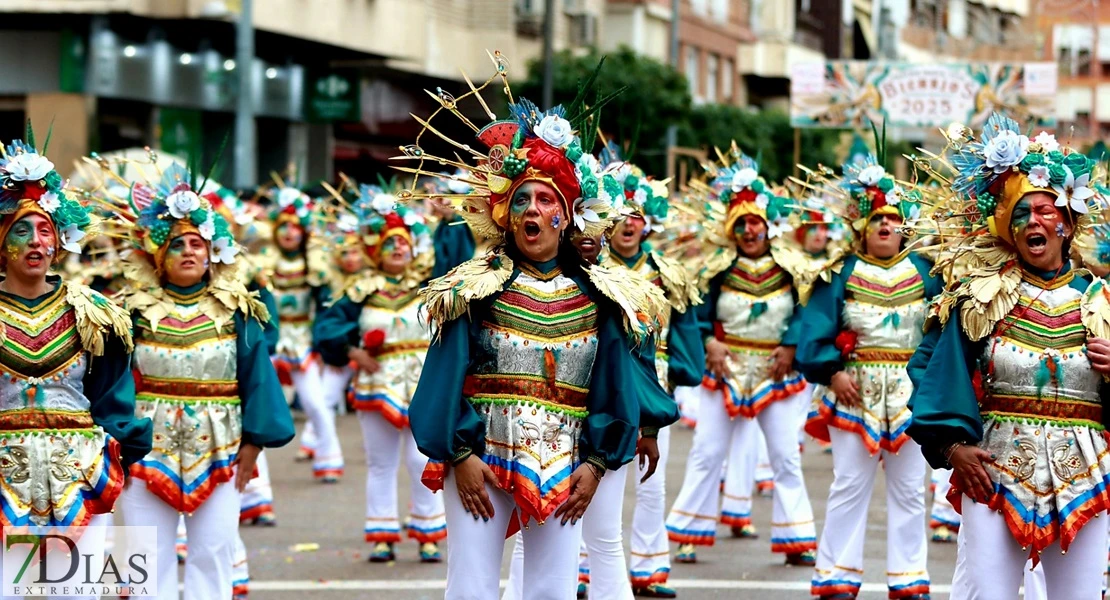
(202, 373)
(376, 324)
(531, 390)
(860, 330)
(679, 361)
(750, 328)
(69, 429)
(297, 273)
(1011, 379)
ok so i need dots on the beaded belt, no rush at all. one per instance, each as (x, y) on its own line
(186, 388)
(519, 387)
(401, 347)
(740, 343)
(294, 318)
(1041, 408)
(881, 355)
(36, 418)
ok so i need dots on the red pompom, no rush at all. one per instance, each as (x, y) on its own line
(374, 339)
(846, 342)
(878, 198)
(394, 220)
(744, 195)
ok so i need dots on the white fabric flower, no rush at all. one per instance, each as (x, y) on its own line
(27, 166)
(762, 200)
(383, 203)
(652, 225)
(243, 216)
(587, 165)
(584, 210)
(743, 178)
(1047, 141)
(640, 196)
(49, 202)
(555, 130)
(871, 175)
(1005, 150)
(288, 196)
(777, 227)
(1074, 193)
(69, 238)
(411, 218)
(621, 172)
(1039, 176)
(182, 203)
(224, 251)
(207, 229)
(894, 196)
(347, 223)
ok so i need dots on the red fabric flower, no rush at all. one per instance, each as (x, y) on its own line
(551, 162)
(33, 191)
(394, 220)
(878, 198)
(846, 342)
(744, 195)
(373, 340)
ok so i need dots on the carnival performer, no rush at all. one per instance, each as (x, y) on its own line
(68, 415)
(376, 324)
(202, 373)
(297, 272)
(680, 355)
(860, 330)
(1010, 379)
(531, 391)
(750, 327)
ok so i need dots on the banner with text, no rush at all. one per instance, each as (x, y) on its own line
(848, 94)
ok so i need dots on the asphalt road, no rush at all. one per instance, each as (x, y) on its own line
(332, 517)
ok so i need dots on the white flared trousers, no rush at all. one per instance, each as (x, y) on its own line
(602, 549)
(315, 387)
(990, 565)
(840, 552)
(384, 444)
(693, 519)
(548, 568)
(943, 513)
(212, 529)
(651, 558)
(258, 496)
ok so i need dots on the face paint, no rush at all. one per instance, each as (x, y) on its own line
(50, 251)
(1059, 230)
(1021, 215)
(390, 245)
(555, 220)
(19, 237)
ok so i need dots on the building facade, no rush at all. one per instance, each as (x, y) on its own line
(1076, 36)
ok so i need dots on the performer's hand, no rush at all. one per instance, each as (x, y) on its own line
(1098, 352)
(845, 388)
(782, 361)
(364, 361)
(583, 485)
(245, 459)
(968, 473)
(648, 450)
(471, 477)
(716, 358)
(441, 207)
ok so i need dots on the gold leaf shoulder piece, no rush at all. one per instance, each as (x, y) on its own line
(984, 298)
(1095, 309)
(721, 259)
(318, 261)
(229, 291)
(644, 305)
(682, 292)
(447, 298)
(97, 317)
(359, 287)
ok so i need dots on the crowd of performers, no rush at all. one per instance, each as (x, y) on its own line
(524, 328)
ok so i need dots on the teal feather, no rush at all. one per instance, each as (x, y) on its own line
(1043, 376)
(757, 311)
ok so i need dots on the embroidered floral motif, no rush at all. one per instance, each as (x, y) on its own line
(1065, 464)
(1023, 462)
(15, 465)
(64, 465)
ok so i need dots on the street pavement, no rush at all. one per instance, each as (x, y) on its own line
(332, 517)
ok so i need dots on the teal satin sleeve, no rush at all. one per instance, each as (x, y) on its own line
(620, 388)
(336, 331)
(944, 407)
(707, 311)
(110, 388)
(446, 427)
(817, 356)
(454, 244)
(793, 333)
(685, 349)
(267, 422)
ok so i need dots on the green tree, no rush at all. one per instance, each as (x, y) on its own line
(656, 96)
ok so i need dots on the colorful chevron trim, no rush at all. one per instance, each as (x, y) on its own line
(42, 341)
(253, 511)
(174, 332)
(427, 529)
(536, 314)
(642, 579)
(828, 414)
(170, 487)
(759, 278)
(379, 530)
(370, 400)
(909, 288)
(834, 587)
(691, 536)
(732, 519)
(535, 499)
(393, 298)
(915, 588)
(793, 545)
(750, 406)
(1036, 326)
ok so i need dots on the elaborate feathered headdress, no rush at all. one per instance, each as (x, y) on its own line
(29, 184)
(534, 145)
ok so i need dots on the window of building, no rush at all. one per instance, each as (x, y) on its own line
(728, 73)
(711, 78)
(720, 10)
(701, 7)
(691, 70)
